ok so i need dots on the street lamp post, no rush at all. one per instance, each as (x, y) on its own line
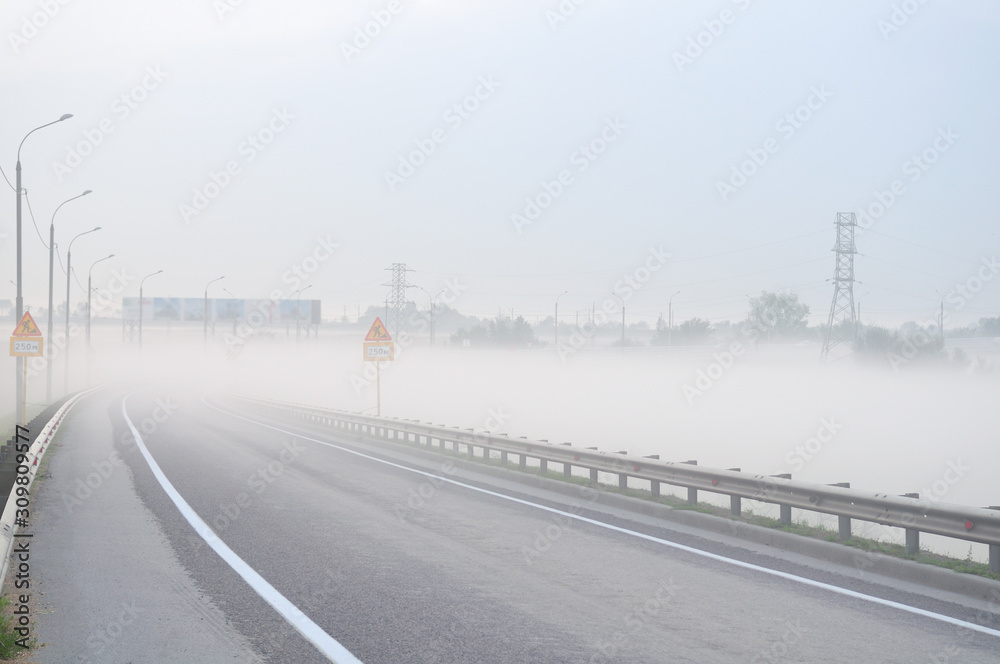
(52, 248)
(233, 297)
(19, 392)
(857, 323)
(206, 305)
(90, 290)
(431, 299)
(557, 318)
(69, 269)
(90, 274)
(140, 304)
(623, 320)
(670, 319)
(298, 311)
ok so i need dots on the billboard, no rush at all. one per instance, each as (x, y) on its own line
(192, 309)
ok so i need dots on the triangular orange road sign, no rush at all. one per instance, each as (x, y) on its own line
(378, 332)
(27, 327)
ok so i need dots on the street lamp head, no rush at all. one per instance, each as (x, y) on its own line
(89, 191)
(65, 116)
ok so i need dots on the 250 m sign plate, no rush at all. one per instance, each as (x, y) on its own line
(25, 347)
(378, 351)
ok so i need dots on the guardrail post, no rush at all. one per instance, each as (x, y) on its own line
(912, 534)
(654, 485)
(543, 466)
(692, 492)
(995, 551)
(785, 511)
(623, 477)
(844, 522)
(568, 467)
(593, 471)
(736, 502)
(503, 457)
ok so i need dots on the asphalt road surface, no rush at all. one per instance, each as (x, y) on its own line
(322, 547)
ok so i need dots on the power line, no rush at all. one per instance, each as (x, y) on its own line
(31, 214)
(920, 246)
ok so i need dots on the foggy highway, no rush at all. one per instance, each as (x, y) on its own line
(396, 556)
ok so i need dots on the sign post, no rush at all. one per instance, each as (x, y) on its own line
(378, 347)
(25, 341)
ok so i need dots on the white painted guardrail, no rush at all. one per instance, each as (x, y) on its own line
(909, 512)
(28, 467)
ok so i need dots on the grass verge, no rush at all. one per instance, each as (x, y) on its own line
(9, 649)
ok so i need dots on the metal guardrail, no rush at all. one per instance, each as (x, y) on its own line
(909, 512)
(28, 452)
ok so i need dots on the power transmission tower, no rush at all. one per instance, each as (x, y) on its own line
(841, 328)
(396, 303)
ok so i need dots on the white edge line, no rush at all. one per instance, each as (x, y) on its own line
(300, 621)
(698, 552)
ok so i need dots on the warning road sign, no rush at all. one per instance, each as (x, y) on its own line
(27, 327)
(25, 347)
(26, 340)
(376, 351)
(378, 332)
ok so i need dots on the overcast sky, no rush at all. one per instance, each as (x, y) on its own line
(318, 124)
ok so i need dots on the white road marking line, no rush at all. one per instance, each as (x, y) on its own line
(698, 552)
(300, 621)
